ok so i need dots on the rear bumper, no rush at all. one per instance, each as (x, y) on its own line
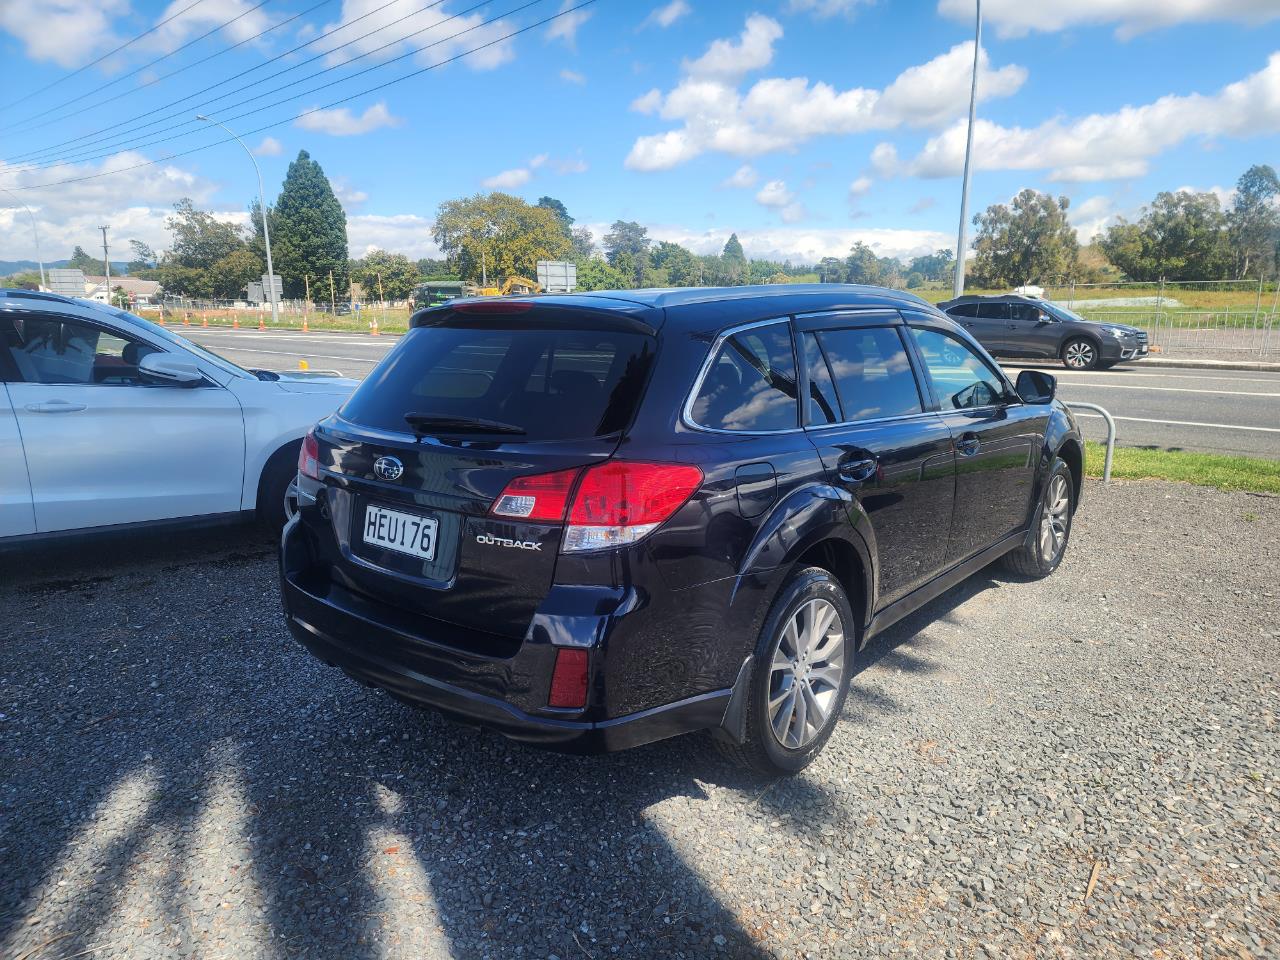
(470, 688)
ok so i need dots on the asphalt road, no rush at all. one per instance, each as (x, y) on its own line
(1213, 411)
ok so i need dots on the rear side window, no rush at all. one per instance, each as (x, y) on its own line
(872, 372)
(751, 383)
(964, 310)
(993, 311)
(551, 384)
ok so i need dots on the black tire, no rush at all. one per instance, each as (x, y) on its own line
(763, 750)
(277, 478)
(1081, 353)
(1033, 558)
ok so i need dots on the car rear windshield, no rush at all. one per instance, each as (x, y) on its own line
(551, 384)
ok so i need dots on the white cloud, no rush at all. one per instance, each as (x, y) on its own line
(884, 159)
(923, 204)
(781, 113)
(1091, 216)
(508, 179)
(860, 186)
(347, 195)
(572, 76)
(433, 32)
(745, 176)
(1226, 195)
(775, 194)
(1015, 18)
(565, 27)
(341, 122)
(539, 160)
(667, 14)
(1116, 145)
(752, 51)
(269, 147)
(827, 8)
(571, 165)
(197, 20)
(66, 32)
(405, 233)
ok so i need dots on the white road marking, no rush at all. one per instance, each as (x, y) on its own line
(296, 355)
(1184, 423)
(1134, 386)
(1067, 376)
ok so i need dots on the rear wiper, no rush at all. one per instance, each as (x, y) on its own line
(430, 423)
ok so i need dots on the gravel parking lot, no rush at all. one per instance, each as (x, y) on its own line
(1085, 766)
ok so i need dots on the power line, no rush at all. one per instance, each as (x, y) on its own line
(328, 106)
(147, 66)
(120, 135)
(109, 53)
(86, 152)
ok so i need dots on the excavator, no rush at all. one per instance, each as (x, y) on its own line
(513, 284)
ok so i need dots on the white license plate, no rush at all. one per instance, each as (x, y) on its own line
(401, 532)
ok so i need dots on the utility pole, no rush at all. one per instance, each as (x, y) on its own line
(35, 233)
(968, 150)
(306, 279)
(333, 297)
(484, 273)
(106, 261)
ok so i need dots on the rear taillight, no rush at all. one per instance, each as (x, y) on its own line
(542, 498)
(616, 503)
(569, 679)
(309, 456)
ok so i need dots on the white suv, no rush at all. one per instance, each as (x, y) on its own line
(108, 419)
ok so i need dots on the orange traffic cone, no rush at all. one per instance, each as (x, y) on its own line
(186, 318)
(235, 323)
(373, 328)
(262, 324)
(204, 322)
(304, 325)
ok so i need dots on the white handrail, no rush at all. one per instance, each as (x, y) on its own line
(1111, 433)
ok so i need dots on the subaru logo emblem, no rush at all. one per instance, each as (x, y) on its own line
(388, 468)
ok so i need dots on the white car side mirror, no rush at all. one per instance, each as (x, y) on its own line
(166, 368)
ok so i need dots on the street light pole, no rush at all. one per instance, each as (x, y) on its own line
(968, 150)
(34, 232)
(262, 204)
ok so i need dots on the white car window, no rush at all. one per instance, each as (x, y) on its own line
(53, 349)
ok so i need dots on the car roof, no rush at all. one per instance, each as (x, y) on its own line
(39, 297)
(991, 298)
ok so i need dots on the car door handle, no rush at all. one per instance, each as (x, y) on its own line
(55, 406)
(858, 471)
(968, 445)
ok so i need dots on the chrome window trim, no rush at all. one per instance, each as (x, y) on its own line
(923, 414)
(686, 411)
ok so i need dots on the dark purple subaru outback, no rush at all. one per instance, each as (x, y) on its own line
(593, 521)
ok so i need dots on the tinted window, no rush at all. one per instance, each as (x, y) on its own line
(964, 310)
(1024, 312)
(823, 405)
(552, 384)
(961, 377)
(751, 383)
(993, 311)
(50, 349)
(872, 372)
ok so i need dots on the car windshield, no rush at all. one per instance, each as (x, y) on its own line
(164, 333)
(1066, 314)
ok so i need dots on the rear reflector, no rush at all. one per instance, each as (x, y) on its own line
(542, 498)
(309, 456)
(569, 680)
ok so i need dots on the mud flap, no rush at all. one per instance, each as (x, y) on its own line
(733, 726)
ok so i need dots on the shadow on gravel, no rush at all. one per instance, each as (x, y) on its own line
(179, 778)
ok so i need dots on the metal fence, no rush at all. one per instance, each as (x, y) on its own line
(1229, 319)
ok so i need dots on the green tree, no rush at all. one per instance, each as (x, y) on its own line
(933, 267)
(559, 210)
(28, 280)
(915, 280)
(1180, 236)
(200, 239)
(397, 273)
(596, 274)
(862, 265)
(734, 261)
(309, 230)
(1025, 241)
(432, 269)
(1253, 225)
(498, 235)
(184, 281)
(120, 298)
(230, 276)
(582, 245)
(832, 270)
(681, 266)
(86, 264)
(626, 247)
(144, 258)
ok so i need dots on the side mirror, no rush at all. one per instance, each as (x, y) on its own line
(1035, 386)
(168, 369)
(1045, 318)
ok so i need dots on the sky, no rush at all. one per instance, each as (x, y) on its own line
(801, 125)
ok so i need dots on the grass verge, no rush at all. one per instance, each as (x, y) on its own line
(1206, 469)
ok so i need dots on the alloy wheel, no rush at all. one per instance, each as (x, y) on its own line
(290, 500)
(806, 673)
(1055, 519)
(1079, 355)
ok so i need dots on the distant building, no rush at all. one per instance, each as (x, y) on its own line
(142, 293)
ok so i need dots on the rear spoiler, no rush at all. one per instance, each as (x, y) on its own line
(571, 312)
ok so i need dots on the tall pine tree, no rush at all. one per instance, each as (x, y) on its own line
(309, 232)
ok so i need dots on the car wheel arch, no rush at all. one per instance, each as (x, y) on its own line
(289, 450)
